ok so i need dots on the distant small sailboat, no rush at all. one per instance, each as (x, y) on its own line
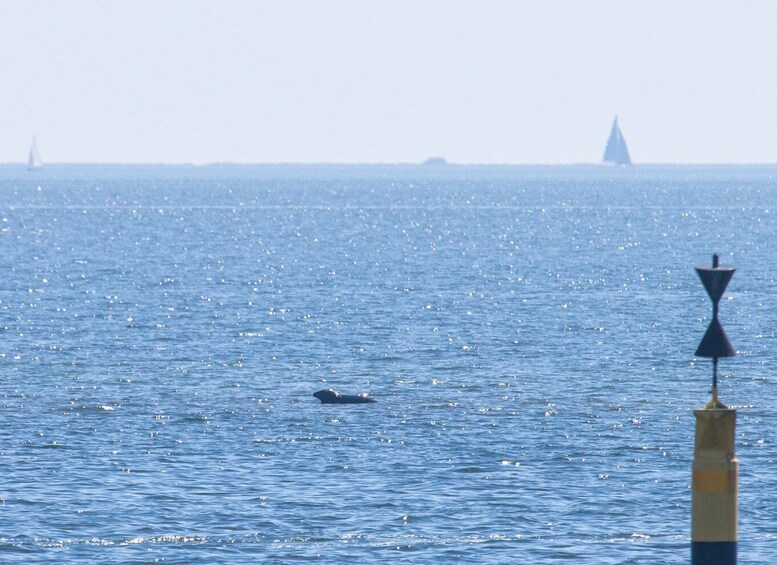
(34, 161)
(616, 151)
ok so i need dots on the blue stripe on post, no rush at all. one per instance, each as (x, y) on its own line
(713, 553)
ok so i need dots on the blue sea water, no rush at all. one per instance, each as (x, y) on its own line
(528, 333)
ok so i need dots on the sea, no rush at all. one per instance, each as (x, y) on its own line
(528, 333)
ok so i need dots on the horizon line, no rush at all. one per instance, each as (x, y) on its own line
(424, 164)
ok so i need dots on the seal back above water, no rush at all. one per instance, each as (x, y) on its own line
(331, 396)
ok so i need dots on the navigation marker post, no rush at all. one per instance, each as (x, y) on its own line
(715, 466)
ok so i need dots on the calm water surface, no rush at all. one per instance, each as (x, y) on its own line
(528, 334)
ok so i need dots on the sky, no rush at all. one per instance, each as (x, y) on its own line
(363, 81)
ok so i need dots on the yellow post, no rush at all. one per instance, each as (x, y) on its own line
(715, 466)
(714, 491)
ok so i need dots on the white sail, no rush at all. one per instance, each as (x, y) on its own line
(616, 151)
(33, 159)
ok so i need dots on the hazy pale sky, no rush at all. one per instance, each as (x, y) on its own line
(387, 81)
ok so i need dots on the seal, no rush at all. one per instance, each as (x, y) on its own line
(330, 396)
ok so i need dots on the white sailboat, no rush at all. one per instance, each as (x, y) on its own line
(34, 161)
(616, 151)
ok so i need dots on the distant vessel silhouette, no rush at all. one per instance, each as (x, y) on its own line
(34, 161)
(616, 151)
(435, 161)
